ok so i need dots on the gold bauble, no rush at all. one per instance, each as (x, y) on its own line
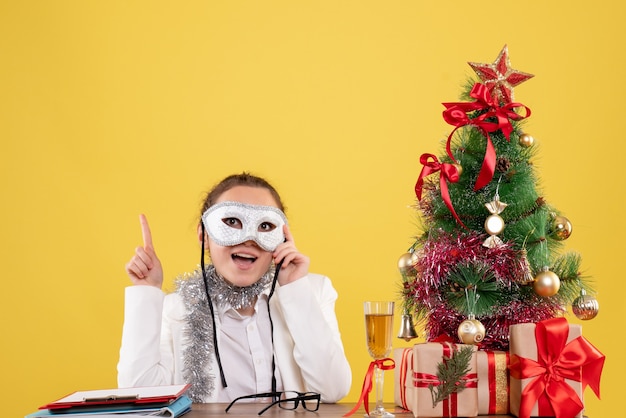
(459, 169)
(526, 140)
(546, 283)
(585, 306)
(561, 228)
(471, 331)
(494, 224)
(406, 262)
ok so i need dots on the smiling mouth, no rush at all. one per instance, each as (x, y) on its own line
(243, 258)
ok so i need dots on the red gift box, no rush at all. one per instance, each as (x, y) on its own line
(550, 366)
(493, 382)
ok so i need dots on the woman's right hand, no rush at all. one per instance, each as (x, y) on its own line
(145, 268)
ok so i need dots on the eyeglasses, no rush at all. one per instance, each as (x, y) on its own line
(286, 400)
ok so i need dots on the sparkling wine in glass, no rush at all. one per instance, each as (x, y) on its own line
(379, 337)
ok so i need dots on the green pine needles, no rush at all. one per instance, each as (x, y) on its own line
(473, 289)
(450, 373)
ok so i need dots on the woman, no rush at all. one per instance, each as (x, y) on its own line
(223, 344)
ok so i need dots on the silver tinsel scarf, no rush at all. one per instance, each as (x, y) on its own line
(198, 329)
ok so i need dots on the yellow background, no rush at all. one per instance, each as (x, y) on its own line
(113, 108)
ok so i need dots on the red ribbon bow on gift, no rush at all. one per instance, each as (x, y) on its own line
(557, 360)
(456, 115)
(448, 172)
(382, 364)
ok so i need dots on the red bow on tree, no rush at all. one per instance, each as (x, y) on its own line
(448, 172)
(556, 361)
(495, 118)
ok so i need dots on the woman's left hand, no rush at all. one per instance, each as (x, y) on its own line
(295, 264)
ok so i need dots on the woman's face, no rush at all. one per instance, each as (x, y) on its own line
(245, 263)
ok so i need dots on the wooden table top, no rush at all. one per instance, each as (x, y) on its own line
(326, 410)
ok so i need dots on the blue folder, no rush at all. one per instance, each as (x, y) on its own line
(175, 409)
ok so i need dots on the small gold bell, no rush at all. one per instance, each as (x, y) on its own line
(407, 330)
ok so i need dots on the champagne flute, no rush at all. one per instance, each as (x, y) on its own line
(378, 333)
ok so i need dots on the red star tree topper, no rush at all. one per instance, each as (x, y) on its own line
(499, 77)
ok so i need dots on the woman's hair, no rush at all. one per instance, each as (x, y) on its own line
(234, 180)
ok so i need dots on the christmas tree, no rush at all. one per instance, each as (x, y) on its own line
(491, 251)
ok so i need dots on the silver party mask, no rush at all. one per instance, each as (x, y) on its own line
(232, 223)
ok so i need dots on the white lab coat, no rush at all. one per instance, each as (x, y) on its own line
(307, 343)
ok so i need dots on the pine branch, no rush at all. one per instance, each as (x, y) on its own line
(478, 280)
(450, 373)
